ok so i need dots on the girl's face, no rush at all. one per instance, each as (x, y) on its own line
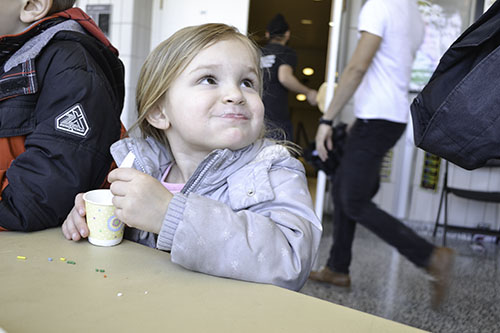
(215, 102)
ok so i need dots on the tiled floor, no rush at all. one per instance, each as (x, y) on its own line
(387, 285)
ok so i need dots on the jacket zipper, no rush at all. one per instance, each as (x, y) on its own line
(134, 151)
(198, 176)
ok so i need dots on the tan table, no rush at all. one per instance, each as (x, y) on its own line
(38, 295)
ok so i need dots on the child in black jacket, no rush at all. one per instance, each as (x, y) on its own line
(61, 95)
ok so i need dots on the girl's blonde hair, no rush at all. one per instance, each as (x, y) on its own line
(167, 61)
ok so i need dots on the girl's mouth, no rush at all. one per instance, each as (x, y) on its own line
(235, 116)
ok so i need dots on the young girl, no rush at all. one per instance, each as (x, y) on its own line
(205, 185)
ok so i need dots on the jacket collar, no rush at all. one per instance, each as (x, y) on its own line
(10, 44)
(153, 158)
(32, 47)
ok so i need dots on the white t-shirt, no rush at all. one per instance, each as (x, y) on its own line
(383, 93)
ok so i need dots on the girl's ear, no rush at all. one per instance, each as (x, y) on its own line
(35, 10)
(158, 118)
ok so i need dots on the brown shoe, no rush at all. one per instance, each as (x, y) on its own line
(329, 276)
(440, 266)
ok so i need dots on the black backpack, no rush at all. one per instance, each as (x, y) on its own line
(457, 114)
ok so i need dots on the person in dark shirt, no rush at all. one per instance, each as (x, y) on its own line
(279, 62)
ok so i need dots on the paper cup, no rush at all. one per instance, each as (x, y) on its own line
(105, 228)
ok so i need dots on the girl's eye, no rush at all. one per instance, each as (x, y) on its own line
(208, 80)
(248, 83)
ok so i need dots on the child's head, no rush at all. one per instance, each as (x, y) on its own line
(203, 79)
(17, 15)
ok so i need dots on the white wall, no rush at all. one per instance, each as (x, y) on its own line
(130, 34)
(462, 212)
(172, 15)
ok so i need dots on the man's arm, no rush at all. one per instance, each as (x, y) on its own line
(360, 61)
(290, 82)
(351, 78)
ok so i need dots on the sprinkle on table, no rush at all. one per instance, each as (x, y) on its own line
(50, 259)
(62, 259)
(71, 262)
(119, 294)
(21, 257)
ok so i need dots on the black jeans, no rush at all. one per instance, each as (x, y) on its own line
(356, 182)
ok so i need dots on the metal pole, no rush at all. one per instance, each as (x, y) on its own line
(333, 52)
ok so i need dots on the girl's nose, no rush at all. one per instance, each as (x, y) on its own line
(234, 95)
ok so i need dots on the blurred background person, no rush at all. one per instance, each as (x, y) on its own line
(279, 62)
(378, 75)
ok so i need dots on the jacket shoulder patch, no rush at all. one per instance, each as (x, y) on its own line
(73, 121)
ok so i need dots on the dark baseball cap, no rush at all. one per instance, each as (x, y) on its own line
(277, 26)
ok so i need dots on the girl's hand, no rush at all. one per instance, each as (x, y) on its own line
(75, 226)
(140, 200)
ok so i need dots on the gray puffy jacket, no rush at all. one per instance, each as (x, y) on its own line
(243, 214)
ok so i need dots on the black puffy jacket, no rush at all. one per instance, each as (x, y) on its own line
(66, 102)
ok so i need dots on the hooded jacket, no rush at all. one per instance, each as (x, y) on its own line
(61, 95)
(243, 214)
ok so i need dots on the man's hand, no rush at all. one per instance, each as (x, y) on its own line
(324, 137)
(141, 201)
(312, 97)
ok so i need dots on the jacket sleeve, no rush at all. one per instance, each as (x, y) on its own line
(76, 120)
(267, 233)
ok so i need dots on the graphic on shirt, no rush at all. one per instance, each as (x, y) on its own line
(73, 121)
(267, 61)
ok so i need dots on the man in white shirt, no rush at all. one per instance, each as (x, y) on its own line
(378, 75)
